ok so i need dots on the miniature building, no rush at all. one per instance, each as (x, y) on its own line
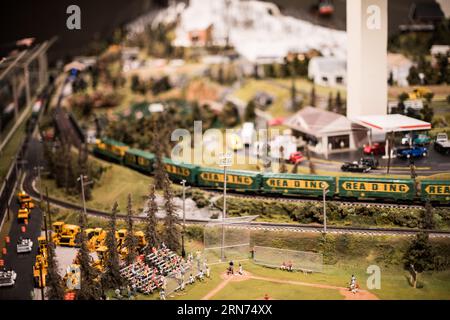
(327, 132)
(399, 66)
(327, 71)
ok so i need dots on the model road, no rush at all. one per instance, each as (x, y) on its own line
(21, 263)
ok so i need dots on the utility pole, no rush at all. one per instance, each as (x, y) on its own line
(183, 251)
(48, 207)
(224, 161)
(325, 191)
(81, 179)
(38, 168)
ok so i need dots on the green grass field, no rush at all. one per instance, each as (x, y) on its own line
(115, 185)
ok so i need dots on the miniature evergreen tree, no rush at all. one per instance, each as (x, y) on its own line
(130, 239)
(151, 234)
(159, 169)
(428, 217)
(312, 169)
(112, 278)
(171, 233)
(312, 98)
(330, 102)
(250, 114)
(339, 103)
(55, 288)
(89, 288)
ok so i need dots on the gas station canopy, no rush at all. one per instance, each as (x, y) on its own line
(391, 123)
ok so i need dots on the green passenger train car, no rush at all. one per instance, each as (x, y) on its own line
(303, 184)
(139, 160)
(181, 171)
(110, 149)
(435, 191)
(376, 188)
(238, 180)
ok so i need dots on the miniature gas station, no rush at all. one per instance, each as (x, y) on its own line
(379, 126)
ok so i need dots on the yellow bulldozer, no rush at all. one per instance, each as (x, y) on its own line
(121, 234)
(23, 215)
(41, 264)
(25, 200)
(66, 234)
(418, 93)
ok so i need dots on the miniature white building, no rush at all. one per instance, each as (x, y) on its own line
(399, 65)
(327, 71)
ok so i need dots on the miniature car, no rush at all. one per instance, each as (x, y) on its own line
(376, 149)
(442, 145)
(370, 162)
(412, 152)
(296, 157)
(24, 245)
(7, 278)
(355, 167)
(420, 139)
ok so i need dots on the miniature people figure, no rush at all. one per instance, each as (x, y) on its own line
(231, 267)
(208, 272)
(191, 279)
(241, 270)
(162, 294)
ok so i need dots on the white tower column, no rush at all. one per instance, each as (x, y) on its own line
(367, 89)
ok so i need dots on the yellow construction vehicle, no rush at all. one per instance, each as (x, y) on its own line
(25, 200)
(99, 238)
(99, 264)
(23, 215)
(419, 93)
(66, 234)
(41, 264)
(140, 236)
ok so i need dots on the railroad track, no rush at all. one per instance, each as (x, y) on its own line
(28, 187)
(303, 199)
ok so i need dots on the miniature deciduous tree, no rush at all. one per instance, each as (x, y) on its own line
(419, 256)
(151, 234)
(428, 217)
(130, 239)
(112, 278)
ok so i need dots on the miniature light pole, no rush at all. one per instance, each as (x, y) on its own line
(324, 192)
(183, 183)
(225, 161)
(83, 183)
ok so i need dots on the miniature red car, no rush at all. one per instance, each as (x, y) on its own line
(376, 149)
(296, 157)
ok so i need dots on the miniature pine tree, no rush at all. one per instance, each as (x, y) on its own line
(55, 288)
(89, 289)
(151, 234)
(312, 98)
(130, 239)
(330, 102)
(283, 167)
(157, 150)
(171, 232)
(112, 278)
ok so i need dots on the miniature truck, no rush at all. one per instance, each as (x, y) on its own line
(442, 145)
(24, 245)
(7, 278)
